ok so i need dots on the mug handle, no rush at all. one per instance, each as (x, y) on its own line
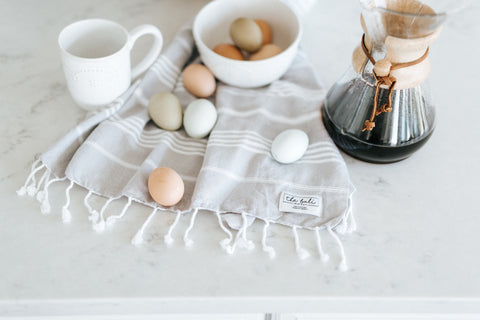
(152, 55)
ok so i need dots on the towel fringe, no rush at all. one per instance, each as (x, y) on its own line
(348, 223)
(343, 260)
(301, 252)
(270, 250)
(189, 242)
(235, 242)
(98, 222)
(241, 236)
(45, 178)
(351, 223)
(93, 214)
(225, 243)
(138, 238)
(111, 220)
(244, 242)
(168, 237)
(66, 214)
(31, 177)
(33, 187)
(42, 196)
(325, 257)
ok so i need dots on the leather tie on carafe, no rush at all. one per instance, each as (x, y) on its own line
(382, 74)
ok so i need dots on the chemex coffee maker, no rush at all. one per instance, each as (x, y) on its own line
(380, 110)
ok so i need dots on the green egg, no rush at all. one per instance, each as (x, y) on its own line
(166, 111)
(246, 34)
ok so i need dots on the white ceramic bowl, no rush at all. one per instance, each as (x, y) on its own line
(212, 26)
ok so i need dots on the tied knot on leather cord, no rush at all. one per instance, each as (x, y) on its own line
(382, 73)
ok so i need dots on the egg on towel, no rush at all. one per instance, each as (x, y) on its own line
(199, 80)
(289, 146)
(166, 111)
(199, 118)
(166, 186)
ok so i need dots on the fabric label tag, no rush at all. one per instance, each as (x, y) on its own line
(305, 204)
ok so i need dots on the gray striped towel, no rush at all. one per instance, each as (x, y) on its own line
(231, 173)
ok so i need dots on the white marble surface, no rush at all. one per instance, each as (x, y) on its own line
(417, 244)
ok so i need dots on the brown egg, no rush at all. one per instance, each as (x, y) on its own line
(199, 80)
(266, 31)
(228, 51)
(246, 34)
(165, 186)
(265, 52)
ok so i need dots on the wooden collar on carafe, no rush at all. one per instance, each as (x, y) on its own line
(382, 73)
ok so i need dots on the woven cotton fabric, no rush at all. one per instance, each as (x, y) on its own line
(239, 173)
(230, 173)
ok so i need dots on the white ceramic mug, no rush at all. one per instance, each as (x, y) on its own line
(95, 56)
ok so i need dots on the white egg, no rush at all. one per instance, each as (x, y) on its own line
(199, 118)
(289, 146)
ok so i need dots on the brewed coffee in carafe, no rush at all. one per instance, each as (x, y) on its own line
(380, 110)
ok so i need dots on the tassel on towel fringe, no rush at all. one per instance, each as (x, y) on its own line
(45, 207)
(168, 237)
(98, 223)
(28, 188)
(138, 238)
(241, 237)
(66, 215)
(112, 219)
(343, 260)
(225, 243)
(302, 253)
(270, 250)
(186, 239)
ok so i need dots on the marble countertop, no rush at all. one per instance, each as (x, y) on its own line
(417, 244)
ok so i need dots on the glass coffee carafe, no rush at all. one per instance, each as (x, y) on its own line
(380, 110)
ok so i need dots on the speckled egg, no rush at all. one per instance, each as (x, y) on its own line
(246, 34)
(166, 111)
(199, 80)
(228, 51)
(166, 186)
(289, 146)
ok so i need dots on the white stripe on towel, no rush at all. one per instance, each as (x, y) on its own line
(239, 134)
(238, 143)
(112, 157)
(171, 140)
(270, 116)
(175, 70)
(164, 65)
(162, 74)
(272, 181)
